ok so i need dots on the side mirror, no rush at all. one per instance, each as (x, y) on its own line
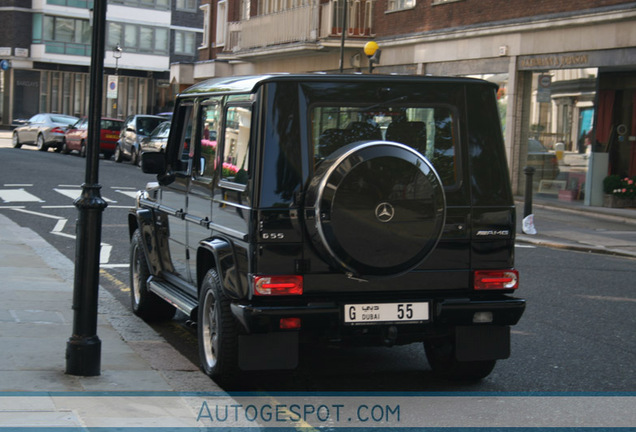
(153, 162)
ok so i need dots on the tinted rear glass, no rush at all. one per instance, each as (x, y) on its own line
(431, 130)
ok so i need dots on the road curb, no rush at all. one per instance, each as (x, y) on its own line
(572, 246)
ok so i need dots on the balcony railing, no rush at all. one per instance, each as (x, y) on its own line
(302, 24)
(294, 25)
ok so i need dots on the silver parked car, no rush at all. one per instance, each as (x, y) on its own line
(43, 130)
(157, 140)
(136, 128)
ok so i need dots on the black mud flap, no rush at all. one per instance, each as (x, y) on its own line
(478, 343)
(268, 351)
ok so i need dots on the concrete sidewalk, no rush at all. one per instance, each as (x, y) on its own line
(36, 320)
(573, 226)
(36, 317)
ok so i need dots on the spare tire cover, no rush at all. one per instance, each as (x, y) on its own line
(375, 208)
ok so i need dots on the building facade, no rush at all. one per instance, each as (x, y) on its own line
(45, 46)
(566, 70)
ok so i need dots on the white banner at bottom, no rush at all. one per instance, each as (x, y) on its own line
(208, 411)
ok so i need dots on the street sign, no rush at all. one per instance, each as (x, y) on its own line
(544, 94)
(111, 93)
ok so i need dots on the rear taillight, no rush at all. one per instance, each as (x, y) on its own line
(496, 279)
(278, 285)
(57, 130)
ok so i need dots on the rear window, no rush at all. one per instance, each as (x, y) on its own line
(430, 130)
(145, 125)
(63, 120)
(111, 125)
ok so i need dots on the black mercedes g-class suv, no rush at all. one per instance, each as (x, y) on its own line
(346, 209)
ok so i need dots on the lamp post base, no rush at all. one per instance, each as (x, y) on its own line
(83, 356)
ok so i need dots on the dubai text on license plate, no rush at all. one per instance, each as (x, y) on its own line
(377, 313)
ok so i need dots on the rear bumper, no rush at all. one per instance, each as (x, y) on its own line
(327, 318)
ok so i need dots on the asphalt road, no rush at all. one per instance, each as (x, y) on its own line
(578, 332)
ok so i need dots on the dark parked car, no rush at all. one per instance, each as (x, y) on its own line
(156, 141)
(77, 135)
(544, 162)
(136, 128)
(331, 209)
(43, 130)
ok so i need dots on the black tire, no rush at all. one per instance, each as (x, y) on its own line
(15, 141)
(441, 358)
(83, 149)
(134, 156)
(65, 149)
(118, 156)
(375, 208)
(40, 143)
(217, 332)
(144, 303)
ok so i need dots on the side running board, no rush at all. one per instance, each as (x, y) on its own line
(172, 296)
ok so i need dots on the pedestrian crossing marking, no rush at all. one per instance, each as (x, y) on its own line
(17, 195)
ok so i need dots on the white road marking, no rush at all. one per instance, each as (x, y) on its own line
(105, 249)
(46, 215)
(131, 194)
(76, 193)
(72, 206)
(525, 246)
(18, 195)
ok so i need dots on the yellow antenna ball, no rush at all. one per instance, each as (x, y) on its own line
(370, 48)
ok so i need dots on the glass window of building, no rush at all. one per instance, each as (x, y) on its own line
(115, 32)
(395, 5)
(130, 37)
(188, 5)
(145, 39)
(184, 42)
(161, 40)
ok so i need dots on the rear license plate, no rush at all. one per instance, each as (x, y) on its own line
(382, 313)
(111, 136)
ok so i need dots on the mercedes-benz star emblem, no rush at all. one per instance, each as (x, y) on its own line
(384, 212)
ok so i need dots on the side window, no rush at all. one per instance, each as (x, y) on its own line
(209, 127)
(236, 144)
(185, 117)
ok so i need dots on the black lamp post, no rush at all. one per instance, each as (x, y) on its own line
(83, 349)
(117, 51)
